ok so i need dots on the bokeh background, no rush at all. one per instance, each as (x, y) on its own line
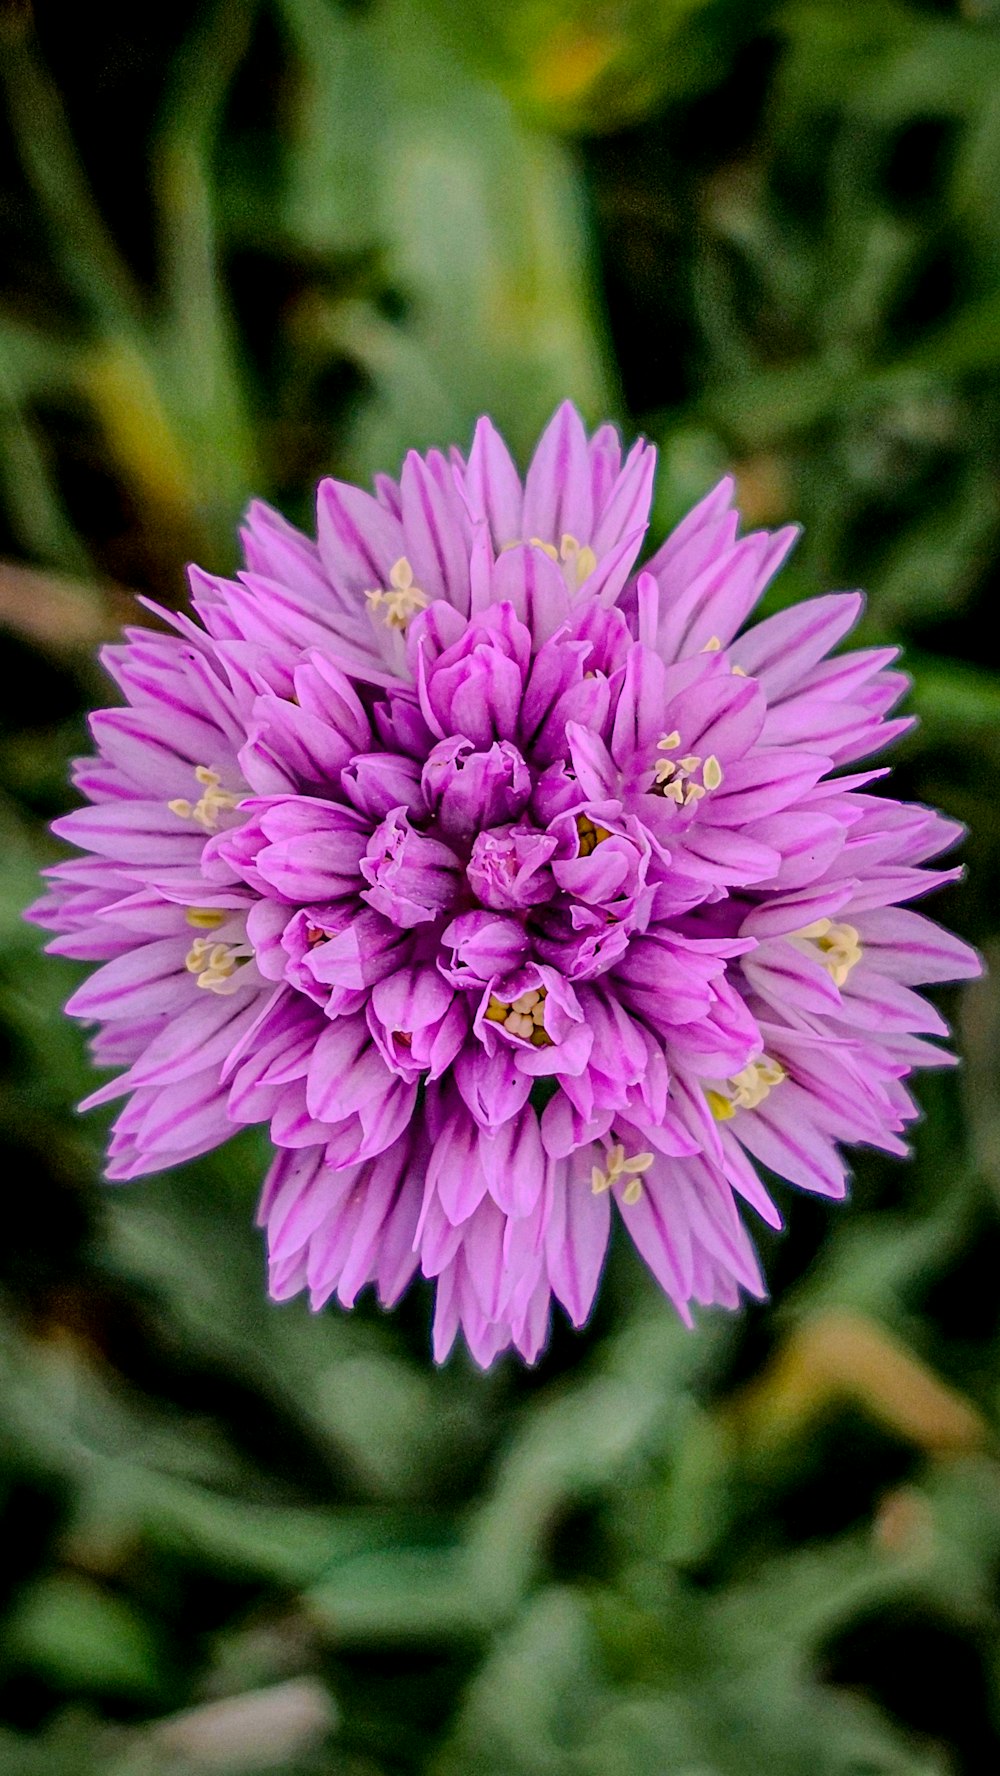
(247, 242)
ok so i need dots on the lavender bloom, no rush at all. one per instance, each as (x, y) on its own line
(506, 882)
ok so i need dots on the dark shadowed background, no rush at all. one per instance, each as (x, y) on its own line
(242, 245)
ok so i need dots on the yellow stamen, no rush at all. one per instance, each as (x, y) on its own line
(577, 559)
(525, 1002)
(214, 801)
(674, 778)
(838, 947)
(523, 1017)
(753, 1083)
(206, 918)
(712, 645)
(216, 964)
(590, 834)
(401, 600)
(619, 1168)
(722, 1108)
(580, 558)
(746, 1089)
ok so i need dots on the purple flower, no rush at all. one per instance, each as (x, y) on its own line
(508, 883)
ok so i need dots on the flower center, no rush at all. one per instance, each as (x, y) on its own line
(213, 801)
(215, 964)
(618, 1167)
(838, 947)
(678, 779)
(747, 1088)
(401, 599)
(591, 835)
(524, 1016)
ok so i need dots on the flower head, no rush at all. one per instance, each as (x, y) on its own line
(509, 884)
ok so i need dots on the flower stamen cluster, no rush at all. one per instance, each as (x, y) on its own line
(747, 1089)
(523, 1017)
(617, 1169)
(211, 804)
(401, 600)
(838, 947)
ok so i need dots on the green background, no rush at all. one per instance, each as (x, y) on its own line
(245, 244)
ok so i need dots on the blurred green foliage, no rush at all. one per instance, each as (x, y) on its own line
(243, 244)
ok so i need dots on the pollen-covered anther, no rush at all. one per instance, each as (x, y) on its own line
(578, 558)
(676, 779)
(524, 1016)
(747, 1088)
(205, 918)
(617, 1169)
(215, 964)
(590, 834)
(213, 801)
(712, 646)
(838, 947)
(401, 599)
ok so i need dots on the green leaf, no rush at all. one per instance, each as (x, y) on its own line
(83, 1639)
